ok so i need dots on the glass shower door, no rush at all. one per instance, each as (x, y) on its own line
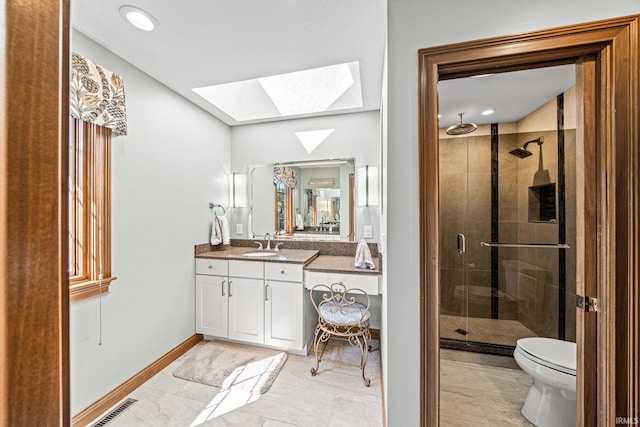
(534, 250)
(454, 315)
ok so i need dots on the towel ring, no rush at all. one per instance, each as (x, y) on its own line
(212, 206)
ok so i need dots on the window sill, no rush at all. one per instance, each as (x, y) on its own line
(86, 289)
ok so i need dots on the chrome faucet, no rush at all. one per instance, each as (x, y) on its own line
(267, 237)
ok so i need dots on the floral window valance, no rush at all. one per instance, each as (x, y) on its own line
(285, 175)
(97, 95)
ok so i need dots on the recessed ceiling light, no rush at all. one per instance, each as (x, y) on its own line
(488, 112)
(138, 18)
(439, 115)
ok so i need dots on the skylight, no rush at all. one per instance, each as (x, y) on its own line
(331, 88)
(310, 140)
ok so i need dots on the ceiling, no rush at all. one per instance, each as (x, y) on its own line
(512, 95)
(203, 42)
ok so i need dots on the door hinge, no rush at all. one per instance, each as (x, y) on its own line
(587, 303)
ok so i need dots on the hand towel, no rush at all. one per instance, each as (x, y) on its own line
(224, 228)
(299, 222)
(363, 256)
(216, 231)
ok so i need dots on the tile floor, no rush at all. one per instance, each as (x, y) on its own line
(496, 331)
(481, 390)
(335, 397)
(476, 389)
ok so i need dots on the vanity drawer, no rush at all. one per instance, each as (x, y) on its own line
(249, 269)
(367, 282)
(212, 267)
(282, 271)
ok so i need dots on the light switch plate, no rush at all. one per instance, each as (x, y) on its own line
(368, 232)
(238, 228)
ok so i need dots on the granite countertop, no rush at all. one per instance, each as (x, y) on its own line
(290, 256)
(341, 264)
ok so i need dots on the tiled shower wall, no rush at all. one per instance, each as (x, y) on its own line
(528, 278)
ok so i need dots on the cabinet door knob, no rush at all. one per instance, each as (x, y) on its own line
(222, 287)
(282, 272)
(229, 288)
(210, 267)
(266, 292)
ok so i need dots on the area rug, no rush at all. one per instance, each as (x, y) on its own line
(231, 366)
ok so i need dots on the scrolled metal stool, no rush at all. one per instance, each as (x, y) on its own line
(340, 316)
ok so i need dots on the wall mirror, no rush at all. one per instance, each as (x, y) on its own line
(308, 200)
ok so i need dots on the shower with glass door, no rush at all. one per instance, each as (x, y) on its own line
(508, 229)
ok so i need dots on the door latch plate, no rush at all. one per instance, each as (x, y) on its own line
(587, 304)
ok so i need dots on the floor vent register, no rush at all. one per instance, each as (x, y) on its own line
(114, 413)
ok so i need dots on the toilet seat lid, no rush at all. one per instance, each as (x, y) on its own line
(556, 352)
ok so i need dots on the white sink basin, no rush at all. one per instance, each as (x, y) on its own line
(259, 254)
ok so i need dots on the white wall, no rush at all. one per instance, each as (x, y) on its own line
(415, 24)
(261, 194)
(174, 161)
(356, 136)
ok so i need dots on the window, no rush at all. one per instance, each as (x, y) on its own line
(280, 206)
(89, 210)
(284, 208)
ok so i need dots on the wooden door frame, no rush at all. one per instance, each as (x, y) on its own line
(607, 58)
(34, 286)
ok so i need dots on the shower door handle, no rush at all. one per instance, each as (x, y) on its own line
(524, 245)
(462, 245)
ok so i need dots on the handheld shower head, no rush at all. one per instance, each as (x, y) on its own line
(521, 153)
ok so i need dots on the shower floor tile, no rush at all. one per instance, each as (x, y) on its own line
(494, 331)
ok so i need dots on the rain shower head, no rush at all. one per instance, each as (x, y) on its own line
(521, 153)
(461, 128)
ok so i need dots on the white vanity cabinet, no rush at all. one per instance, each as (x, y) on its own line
(284, 305)
(246, 306)
(252, 301)
(211, 297)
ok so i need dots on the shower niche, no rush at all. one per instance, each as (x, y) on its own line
(542, 203)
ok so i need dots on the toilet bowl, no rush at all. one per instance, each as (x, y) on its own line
(552, 365)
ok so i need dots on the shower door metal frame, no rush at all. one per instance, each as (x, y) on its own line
(606, 54)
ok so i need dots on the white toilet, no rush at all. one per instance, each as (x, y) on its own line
(551, 401)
